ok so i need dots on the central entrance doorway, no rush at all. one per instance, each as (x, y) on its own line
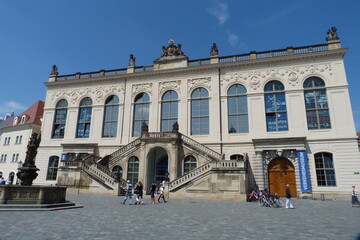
(281, 172)
(157, 166)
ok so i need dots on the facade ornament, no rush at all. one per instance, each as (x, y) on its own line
(131, 61)
(97, 93)
(138, 88)
(170, 85)
(175, 127)
(214, 52)
(199, 82)
(332, 34)
(144, 127)
(54, 71)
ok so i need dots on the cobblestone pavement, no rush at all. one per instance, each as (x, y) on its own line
(103, 217)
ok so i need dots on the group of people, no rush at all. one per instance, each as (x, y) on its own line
(155, 192)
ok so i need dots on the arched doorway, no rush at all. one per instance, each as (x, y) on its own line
(157, 165)
(281, 172)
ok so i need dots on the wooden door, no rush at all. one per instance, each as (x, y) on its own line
(281, 172)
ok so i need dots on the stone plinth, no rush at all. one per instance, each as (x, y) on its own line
(15, 194)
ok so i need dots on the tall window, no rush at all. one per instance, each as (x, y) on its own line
(59, 119)
(84, 120)
(111, 116)
(237, 109)
(317, 109)
(169, 111)
(275, 107)
(141, 113)
(133, 170)
(52, 168)
(189, 163)
(325, 172)
(200, 112)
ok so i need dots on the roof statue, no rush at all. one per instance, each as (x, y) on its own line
(171, 52)
(132, 61)
(54, 70)
(214, 52)
(332, 34)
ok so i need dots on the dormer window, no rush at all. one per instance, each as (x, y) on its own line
(15, 121)
(23, 119)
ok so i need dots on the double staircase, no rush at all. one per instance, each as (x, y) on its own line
(98, 168)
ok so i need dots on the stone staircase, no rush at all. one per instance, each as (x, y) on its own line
(202, 170)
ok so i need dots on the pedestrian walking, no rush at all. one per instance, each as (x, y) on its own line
(128, 194)
(354, 198)
(139, 193)
(152, 192)
(161, 193)
(288, 203)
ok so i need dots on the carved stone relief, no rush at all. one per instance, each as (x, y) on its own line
(291, 74)
(171, 85)
(199, 82)
(138, 88)
(96, 93)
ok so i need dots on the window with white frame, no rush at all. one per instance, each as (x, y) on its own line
(169, 110)
(60, 119)
(52, 168)
(200, 112)
(190, 163)
(275, 107)
(111, 115)
(237, 109)
(316, 104)
(84, 119)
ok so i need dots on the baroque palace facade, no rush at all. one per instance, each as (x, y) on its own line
(212, 128)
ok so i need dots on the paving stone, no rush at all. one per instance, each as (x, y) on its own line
(103, 217)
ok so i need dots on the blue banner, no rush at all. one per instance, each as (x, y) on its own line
(304, 172)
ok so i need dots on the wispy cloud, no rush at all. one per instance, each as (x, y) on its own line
(277, 16)
(235, 42)
(219, 10)
(11, 106)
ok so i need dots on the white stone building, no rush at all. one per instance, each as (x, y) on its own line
(257, 120)
(14, 137)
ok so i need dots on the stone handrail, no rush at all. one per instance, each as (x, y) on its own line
(99, 173)
(115, 155)
(203, 169)
(161, 135)
(215, 155)
(189, 176)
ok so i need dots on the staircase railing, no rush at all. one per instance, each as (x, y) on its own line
(115, 155)
(100, 172)
(200, 147)
(204, 169)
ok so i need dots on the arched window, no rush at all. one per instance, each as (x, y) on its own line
(237, 109)
(111, 115)
(200, 112)
(325, 172)
(11, 177)
(133, 170)
(117, 171)
(60, 119)
(52, 168)
(237, 157)
(316, 104)
(15, 121)
(23, 119)
(141, 113)
(84, 120)
(189, 163)
(275, 107)
(169, 111)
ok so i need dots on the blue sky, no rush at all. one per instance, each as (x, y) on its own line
(89, 35)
